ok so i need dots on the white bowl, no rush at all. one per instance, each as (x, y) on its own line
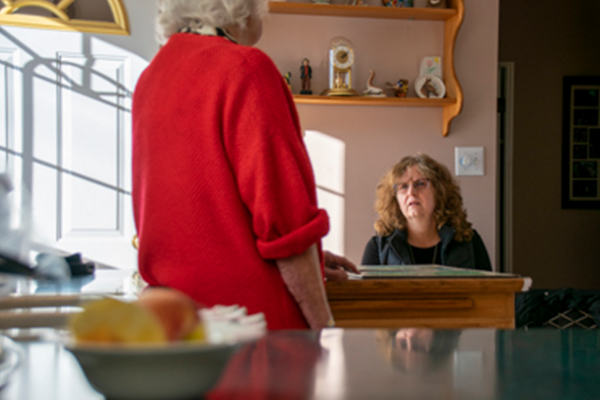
(173, 371)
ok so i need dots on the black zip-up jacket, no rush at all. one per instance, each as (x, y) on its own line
(393, 250)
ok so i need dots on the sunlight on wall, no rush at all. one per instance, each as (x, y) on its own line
(328, 157)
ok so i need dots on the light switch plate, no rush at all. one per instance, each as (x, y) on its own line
(468, 161)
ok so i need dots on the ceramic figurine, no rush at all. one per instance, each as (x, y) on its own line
(306, 76)
(436, 3)
(397, 3)
(373, 91)
(288, 80)
(400, 88)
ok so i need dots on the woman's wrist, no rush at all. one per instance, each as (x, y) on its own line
(302, 276)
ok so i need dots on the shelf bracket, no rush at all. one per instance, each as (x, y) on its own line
(453, 89)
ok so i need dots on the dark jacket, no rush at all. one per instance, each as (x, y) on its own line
(393, 250)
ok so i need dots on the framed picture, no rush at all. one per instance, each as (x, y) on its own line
(581, 142)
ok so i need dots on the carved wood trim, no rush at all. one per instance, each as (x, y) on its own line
(61, 19)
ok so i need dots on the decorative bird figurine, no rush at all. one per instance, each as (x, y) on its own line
(400, 88)
(373, 91)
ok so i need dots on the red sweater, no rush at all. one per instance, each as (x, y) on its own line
(222, 183)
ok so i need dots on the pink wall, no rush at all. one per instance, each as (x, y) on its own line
(377, 137)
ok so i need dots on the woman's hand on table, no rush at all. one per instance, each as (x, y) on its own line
(336, 267)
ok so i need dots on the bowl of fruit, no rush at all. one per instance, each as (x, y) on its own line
(157, 347)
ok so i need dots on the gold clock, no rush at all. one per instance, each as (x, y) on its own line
(341, 61)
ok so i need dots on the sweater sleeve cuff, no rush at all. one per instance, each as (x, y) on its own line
(297, 241)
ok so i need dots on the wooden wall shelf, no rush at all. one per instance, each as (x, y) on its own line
(428, 14)
(452, 19)
(372, 101)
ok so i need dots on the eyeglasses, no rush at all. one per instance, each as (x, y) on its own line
(418, 186)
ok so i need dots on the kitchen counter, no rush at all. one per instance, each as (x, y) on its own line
(366, 364)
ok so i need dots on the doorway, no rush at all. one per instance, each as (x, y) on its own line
(505, 167)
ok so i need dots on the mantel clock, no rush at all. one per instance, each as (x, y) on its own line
(341, 61)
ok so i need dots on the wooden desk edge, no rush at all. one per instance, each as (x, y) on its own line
(366, 288)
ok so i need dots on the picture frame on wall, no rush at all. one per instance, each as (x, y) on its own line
(581, 142)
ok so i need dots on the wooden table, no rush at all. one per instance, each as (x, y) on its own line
(425, 302)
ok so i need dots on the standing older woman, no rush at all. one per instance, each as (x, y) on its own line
(224, 194)
(422, 220)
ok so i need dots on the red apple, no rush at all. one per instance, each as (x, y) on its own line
(176, 311)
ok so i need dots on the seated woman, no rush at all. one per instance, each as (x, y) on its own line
(422, 220)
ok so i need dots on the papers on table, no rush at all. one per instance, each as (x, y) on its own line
(353, 276)
(425, 271)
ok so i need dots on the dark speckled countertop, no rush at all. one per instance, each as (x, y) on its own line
(367, 364)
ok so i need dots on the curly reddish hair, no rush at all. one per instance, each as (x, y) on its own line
(448, 201)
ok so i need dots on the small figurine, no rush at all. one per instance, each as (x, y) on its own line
(397, 3)
(373, 91)
(400, 88)
(288, 80)
(436, 3)
(306, 76)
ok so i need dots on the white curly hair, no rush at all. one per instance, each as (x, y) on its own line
(175, 15)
